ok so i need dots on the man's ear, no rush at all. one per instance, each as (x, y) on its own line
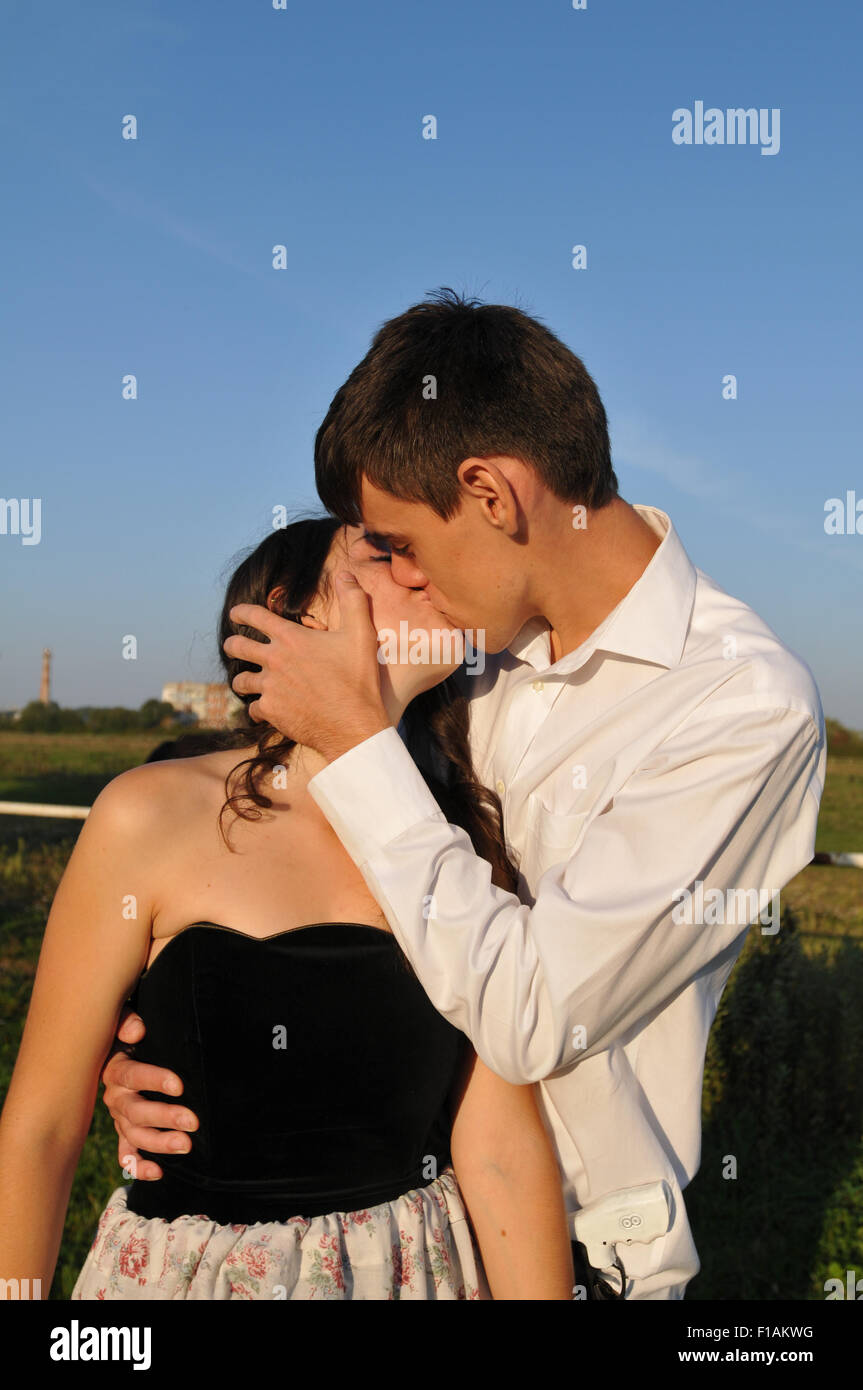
(308, 620)
(492, 482)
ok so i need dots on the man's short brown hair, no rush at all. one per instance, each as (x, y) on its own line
(452, 378)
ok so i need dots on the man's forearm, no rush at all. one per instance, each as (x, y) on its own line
(359, 728)
(599, 950)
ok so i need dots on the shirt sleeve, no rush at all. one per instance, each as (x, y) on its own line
(730, 801)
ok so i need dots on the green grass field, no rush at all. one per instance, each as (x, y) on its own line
(783, 1087)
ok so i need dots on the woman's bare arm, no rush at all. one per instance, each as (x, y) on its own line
(95, 945)
(510, 1179)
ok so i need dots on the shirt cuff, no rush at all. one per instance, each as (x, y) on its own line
(373, 793)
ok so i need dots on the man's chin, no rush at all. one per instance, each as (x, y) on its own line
(477, 638)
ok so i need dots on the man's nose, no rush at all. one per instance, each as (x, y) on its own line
(407, 573)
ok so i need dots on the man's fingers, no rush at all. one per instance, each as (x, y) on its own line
(353, 604)
(131, 1028)
(247, 682)
(134, 1115)
(246, 648)
(150, 1125)
(156, 1141)
(253, 615)
(141, 1168)
(124, 1072)
(133, 1165)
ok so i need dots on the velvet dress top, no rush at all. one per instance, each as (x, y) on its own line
(321, 1076)
(317, 1067)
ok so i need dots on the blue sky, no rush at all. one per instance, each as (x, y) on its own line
(304, 127)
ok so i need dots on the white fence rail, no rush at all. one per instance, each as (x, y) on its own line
(36, 808)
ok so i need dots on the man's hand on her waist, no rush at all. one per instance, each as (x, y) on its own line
(156, 1126)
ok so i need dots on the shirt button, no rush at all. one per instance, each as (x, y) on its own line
(499, 787)
(537, 685)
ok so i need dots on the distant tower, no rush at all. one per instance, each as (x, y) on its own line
(45, 687)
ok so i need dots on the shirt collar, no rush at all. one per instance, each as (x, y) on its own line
(651, 621)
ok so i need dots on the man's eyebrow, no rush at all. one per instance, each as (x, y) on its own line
(380, 539)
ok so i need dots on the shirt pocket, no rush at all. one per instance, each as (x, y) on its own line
(551, 838)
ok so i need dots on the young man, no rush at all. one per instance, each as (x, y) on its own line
(658, 752)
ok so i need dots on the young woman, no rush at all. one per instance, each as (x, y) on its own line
(374, 1156)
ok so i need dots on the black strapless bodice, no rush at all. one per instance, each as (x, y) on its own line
(315, 1062)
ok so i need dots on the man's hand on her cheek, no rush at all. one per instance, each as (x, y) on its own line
(321, 689)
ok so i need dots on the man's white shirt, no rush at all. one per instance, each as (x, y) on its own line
(679, 749)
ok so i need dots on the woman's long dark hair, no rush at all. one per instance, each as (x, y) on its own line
(436, 722)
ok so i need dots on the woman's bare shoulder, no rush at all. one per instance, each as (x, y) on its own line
(153, 794)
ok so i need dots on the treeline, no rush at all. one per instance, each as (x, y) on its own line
(842, 742)
(91, 719)
(158, 714)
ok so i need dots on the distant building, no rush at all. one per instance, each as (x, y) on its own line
(214, 705)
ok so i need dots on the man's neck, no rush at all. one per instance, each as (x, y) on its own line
(608, 557)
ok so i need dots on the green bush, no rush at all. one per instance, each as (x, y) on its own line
(784, 1097)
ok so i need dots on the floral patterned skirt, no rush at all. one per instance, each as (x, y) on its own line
(419, 1246)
